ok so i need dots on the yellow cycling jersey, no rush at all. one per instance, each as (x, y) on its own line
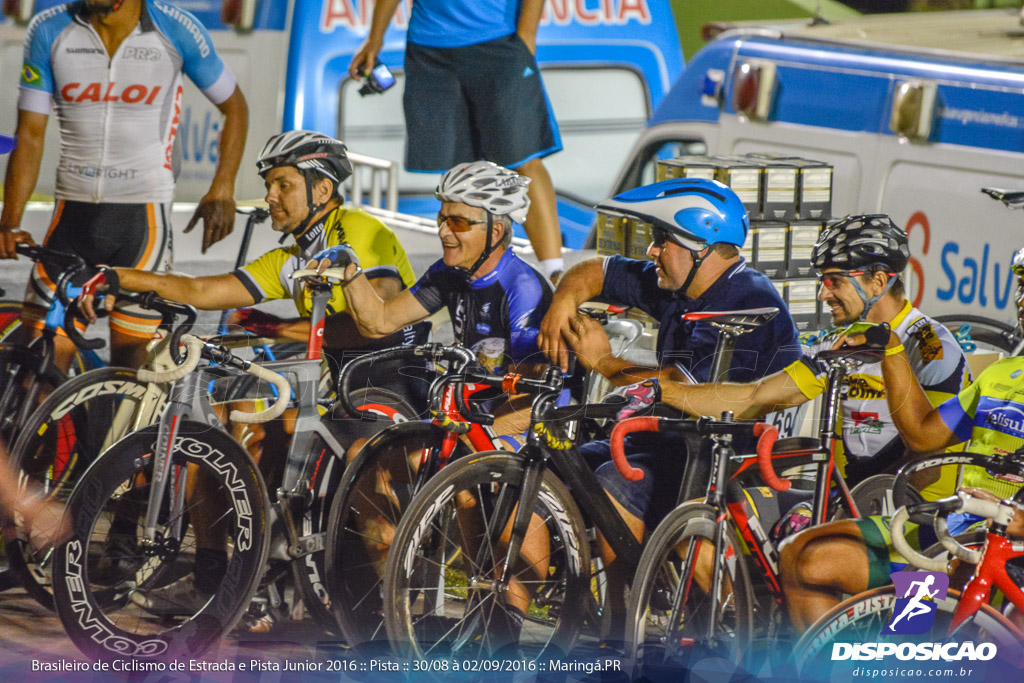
(867, 429)
(379, 251)
(990, 415)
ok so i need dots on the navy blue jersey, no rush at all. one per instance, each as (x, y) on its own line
(498, 315)
(691, 345)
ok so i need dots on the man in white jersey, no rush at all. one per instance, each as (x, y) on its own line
(112, 69)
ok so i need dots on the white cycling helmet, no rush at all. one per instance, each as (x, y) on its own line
(306, 150)
(488, 186)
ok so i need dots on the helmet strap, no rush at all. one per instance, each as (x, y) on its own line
(697, 260)
(489, 248)
(869, 302)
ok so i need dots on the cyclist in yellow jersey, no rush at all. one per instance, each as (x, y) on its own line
(303, 171)
(823, 563)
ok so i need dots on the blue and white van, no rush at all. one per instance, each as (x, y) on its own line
(607, 65)
(915, 112)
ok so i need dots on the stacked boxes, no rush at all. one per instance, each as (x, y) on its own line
(789, 200)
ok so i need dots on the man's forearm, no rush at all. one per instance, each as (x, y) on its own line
(22, 174)
(366, 308)
(383, 11)
(232, 145)
(908, 404)
(529, 18)
(714, 399)
(582, 282)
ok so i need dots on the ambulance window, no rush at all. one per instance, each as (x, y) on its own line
(643, 169)
(600, 111)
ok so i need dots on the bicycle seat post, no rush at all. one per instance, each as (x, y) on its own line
(321, 292)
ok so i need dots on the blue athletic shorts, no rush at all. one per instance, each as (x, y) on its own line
(483, 101)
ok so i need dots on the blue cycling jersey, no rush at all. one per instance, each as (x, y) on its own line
(497, 315)
(691, 345)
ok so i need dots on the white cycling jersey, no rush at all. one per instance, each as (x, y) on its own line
(118, 116)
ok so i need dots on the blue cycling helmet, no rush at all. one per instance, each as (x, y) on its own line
(697, 212)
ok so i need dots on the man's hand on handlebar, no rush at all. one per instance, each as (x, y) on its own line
(10, 238)
(556, 331)
(874, 336)
(340, 256)
(103, 284)
(1016, 526)
(588, 339)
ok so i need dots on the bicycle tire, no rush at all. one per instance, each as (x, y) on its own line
(651, 644)
(62, 437)
(862, 618)
(92, 586)
(355, 575)
(466, 618)
(10, 318)
(19, 365)
(311, 571)
(991, 335)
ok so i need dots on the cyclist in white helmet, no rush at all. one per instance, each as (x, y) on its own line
(495, 299)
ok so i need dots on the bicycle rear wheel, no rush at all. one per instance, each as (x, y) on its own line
(105, 563)
(60, 440)
(671, 614)
(442, 596)
(987, 334)
(312, 572)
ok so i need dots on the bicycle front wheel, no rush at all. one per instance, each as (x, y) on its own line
(443, 588)
(672, 611)
(375, 492)
(107, 563)
(64, 435)
(864, 617)
(22, 386)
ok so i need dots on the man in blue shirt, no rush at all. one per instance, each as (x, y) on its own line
(697, 228)
(473, 91)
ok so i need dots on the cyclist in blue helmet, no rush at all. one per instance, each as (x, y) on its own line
(697, 228)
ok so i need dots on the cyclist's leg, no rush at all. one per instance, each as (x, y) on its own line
(148, 247)
(821, 564)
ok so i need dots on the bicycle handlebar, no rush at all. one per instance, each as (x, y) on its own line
(458, 356)
(962, 501)
(767, 436)
(284, 394)
(194, 345)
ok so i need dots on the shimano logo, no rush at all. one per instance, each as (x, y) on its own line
(84, 51)
(191, 26)
(947, 652)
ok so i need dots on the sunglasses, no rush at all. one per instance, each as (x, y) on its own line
(457, 223)
(834, 280)
(659, 236)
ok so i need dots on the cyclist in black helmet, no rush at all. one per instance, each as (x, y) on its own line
(303, 172)
(821, 565)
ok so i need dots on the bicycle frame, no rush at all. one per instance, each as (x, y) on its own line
(991, 573)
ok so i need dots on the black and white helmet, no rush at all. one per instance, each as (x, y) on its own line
(488, 186)
(308, 151)
(860, 242)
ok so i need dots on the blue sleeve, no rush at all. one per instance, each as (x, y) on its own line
(428, 290)
(36, 71)
(634, 283)
(528, 301)
(188, 35)
(956, 418)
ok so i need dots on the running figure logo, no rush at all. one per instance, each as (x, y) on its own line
(914, 613)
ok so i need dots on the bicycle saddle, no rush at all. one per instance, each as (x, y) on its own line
(1013, 200)
(748, 319)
